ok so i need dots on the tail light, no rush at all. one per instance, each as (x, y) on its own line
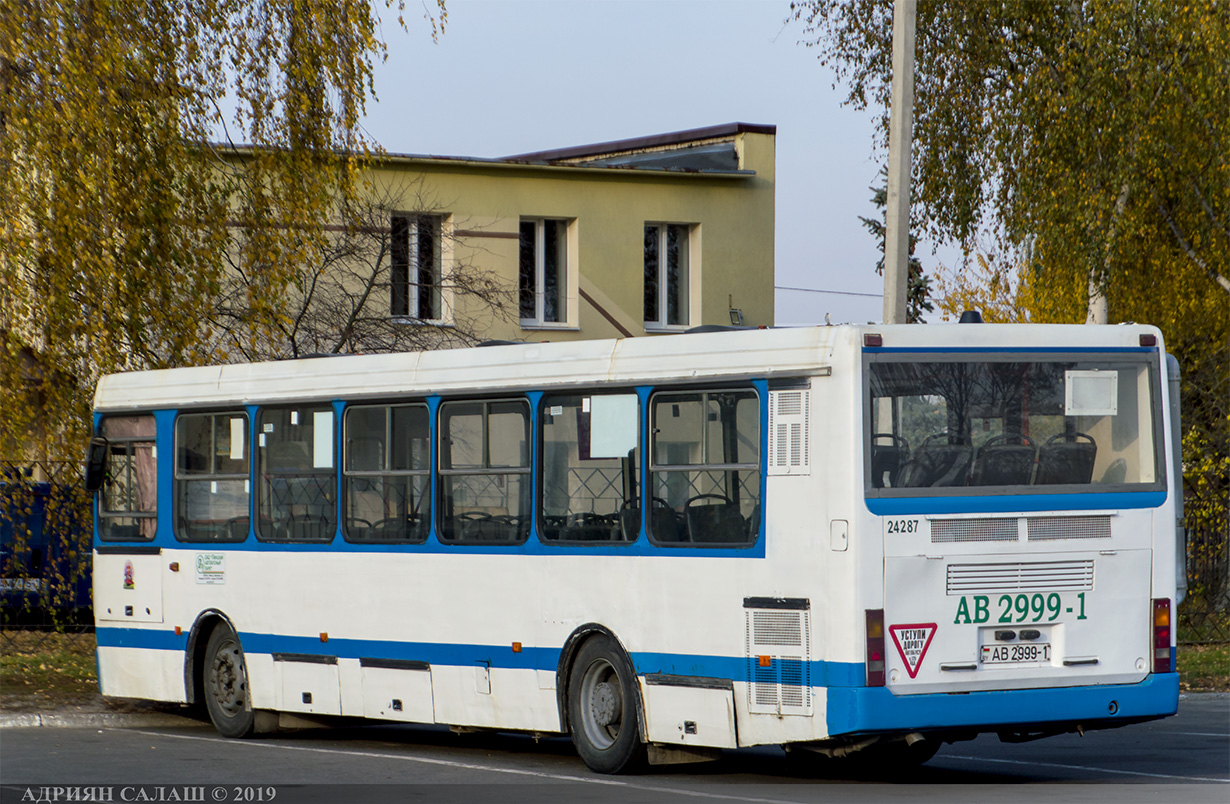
(875, 647)
(1161, 635)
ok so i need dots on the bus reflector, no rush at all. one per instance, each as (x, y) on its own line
(766, 661)
(516, 647)
(875, 647)
(1161, 635)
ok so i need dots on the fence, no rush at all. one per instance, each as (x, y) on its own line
(45, 533)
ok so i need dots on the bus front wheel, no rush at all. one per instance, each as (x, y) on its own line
(602, 710)
(226, 684)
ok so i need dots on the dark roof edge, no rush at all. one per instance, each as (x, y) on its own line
(652, 141)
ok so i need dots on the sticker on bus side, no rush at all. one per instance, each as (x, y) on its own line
(211, 568)
(912, 642)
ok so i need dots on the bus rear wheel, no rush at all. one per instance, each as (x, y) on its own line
(226, 684)
(602, 710)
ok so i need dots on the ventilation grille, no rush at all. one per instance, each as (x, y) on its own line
(973, 530)
(966, 579)
(784, 687)
(789, 413)
(1044, 528)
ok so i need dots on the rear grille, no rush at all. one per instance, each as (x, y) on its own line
(968, 579)
(1044, 528)
(973, 530)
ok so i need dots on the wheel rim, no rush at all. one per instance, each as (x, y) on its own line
(227, 685)
(601, 704)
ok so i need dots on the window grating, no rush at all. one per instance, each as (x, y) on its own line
(973, 530)
(1044, 528)
(966, 579)
(777, 628)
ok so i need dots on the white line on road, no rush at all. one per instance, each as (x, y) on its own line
(559, 777)
(1095, 769)
(1221, 734)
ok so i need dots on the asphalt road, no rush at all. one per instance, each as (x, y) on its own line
(1181, 759)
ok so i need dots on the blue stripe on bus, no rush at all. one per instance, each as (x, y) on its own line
(530, 658)
(902, 506)
(974, 350)
(860, 710)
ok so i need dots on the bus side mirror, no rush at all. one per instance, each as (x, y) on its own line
(96, 463)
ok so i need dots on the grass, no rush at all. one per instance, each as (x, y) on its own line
(1204, 668)
(47, 666)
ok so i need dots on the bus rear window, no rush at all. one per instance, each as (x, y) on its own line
(1061, 424)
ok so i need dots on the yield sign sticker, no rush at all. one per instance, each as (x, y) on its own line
(912, 642)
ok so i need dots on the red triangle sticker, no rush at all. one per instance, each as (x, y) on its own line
(912, 642)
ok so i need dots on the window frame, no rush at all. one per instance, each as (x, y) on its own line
(262, 475)
(179, 476)
(652, 467)
(345, 474)
(485, 469)
(1143, 357)
(566, 274)
(688, 277)
(406, 297)
(540, 467)
(131, 441)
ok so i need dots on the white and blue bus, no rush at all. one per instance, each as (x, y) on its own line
(856, 539)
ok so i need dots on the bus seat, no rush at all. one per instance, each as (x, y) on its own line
(887, 459)
(1005, 460)
(629, 521)
(1066, 459)
(939, 462)
(719, 521)
(664, 523)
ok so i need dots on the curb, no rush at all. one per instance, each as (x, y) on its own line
(109, 720)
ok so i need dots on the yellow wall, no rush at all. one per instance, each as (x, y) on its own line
(484, 202)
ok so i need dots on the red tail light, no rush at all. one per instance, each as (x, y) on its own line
(875, 647)
(1161, 635)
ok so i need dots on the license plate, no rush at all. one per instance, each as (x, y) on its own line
(1024, 653)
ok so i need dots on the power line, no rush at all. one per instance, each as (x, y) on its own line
(837, 292)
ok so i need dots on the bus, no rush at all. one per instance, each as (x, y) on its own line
(846, 540)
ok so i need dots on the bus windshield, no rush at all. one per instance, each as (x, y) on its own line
(936, 422)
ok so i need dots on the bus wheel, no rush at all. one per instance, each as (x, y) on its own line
(226, 684)
(602, 711)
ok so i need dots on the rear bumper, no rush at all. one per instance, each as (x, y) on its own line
(872, 710)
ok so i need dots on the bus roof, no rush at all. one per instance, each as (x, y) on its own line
(682, 358)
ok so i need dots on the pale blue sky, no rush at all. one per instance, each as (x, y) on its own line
(512, 76)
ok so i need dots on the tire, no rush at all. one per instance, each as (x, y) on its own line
(602, 708)
(226, 684)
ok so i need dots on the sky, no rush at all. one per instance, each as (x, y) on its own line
(515, 76)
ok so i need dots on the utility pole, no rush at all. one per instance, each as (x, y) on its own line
(900, 140)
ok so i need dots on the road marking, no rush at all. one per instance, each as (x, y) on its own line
(559, 777)
(1221, 734)
(1083, 768)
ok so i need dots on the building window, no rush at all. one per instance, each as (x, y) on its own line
(128, 506)
(485, 471)
(667, 265)
(387, 473)
(297, 482)
(544, 271)
(705, 468)
(415, 267)
(211, 477)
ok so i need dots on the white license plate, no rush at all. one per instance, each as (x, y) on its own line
(1022, 653)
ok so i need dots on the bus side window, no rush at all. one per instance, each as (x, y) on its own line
(211, 477)
(296, 478)
(590, 456)
(128, 503)
(387, 471)
(705, 467)
(484, 472)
